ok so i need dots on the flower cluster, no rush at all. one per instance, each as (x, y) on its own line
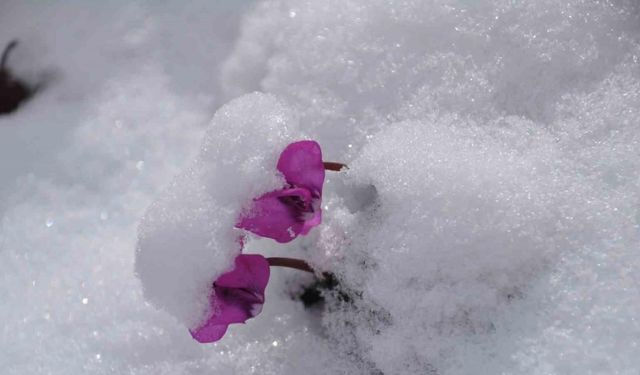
(281, 215)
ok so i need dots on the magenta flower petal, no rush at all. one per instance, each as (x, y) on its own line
(251, 272)
(302, 166)
(237, 295)
(210, 332)
(284, 214)
(279, 215)
(313, 218)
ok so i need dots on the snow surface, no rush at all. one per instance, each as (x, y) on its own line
(489, 222)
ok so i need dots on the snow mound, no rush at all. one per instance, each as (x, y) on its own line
(460, 239)
(187, 237)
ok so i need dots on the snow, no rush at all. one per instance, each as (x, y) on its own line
(488, 223)
(187, 237)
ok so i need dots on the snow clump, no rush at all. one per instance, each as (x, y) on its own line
(188, 237)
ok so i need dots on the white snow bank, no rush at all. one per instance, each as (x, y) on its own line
(466, 219)
(494, 174)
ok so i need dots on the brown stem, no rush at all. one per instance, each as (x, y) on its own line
(333, 166)
(298, 264)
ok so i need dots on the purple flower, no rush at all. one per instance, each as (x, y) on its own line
(237, 295)
(284, 214)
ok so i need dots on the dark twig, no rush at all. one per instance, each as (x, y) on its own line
(5, 54)
(13, 91)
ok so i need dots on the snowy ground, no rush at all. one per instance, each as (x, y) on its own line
(489, 222)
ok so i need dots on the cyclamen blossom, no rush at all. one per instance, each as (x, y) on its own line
(284, 214)
(237, 296)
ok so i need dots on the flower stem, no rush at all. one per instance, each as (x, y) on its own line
(333, 166)
(298, 264)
